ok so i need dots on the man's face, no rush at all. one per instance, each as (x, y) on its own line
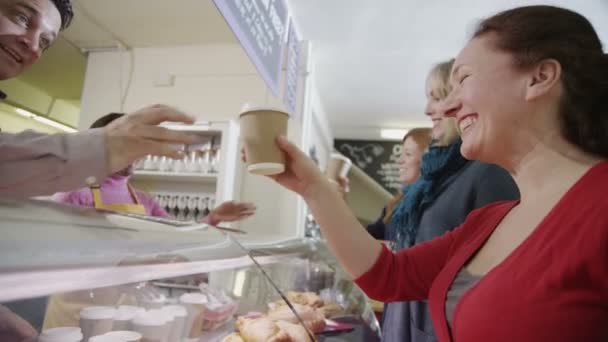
(27, 29)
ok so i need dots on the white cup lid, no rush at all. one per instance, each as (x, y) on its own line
(193, 298)
(127, 312)
(149, 319)
(104, 338)
(98, 312)
(63, 334)
(175, 310)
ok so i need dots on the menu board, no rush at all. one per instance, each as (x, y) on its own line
(290, 97)
(260, 26)
(378, 159)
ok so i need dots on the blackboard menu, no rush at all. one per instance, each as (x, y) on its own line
(378, 159)
(260, 26)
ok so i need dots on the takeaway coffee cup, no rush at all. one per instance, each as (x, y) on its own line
(63, 334)
(260, 127)
(338, 166)
(180, 315)
(124, 316)
(152, 326)
(96, 320)
(195, 306)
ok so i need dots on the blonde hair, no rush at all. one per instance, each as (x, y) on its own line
(439, 79)
(438, 84)
(423, 137)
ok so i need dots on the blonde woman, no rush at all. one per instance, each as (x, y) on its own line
(449, 187)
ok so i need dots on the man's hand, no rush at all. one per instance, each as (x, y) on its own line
(136, 135)
(230, 211)
(14, 328)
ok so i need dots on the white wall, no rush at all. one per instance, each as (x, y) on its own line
(210, 82)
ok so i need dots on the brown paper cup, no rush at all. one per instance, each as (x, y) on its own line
(259, 129)
(337, 166)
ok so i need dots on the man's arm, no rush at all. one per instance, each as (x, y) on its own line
(33, 164)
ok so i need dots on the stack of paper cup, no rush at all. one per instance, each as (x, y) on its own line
(152, 326)
(181, 315)
(65, 334)
(96, 320)
(195, 305)
(124, 316)
(260, 126)
(127, 336)
(104, 338)
(168, 317)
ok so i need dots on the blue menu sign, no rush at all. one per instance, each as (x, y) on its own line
(260, 26)
(290, 97)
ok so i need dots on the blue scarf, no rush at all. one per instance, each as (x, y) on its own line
(439, 163)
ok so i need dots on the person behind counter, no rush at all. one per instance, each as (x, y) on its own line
(116, 193)
(415, 142)
(34, 164)
(529, 91)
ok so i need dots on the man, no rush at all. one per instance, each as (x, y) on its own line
(39, 164)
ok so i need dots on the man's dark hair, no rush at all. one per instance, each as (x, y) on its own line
(65, 11)
(106, 119)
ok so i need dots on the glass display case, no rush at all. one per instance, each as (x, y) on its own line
(77, 274)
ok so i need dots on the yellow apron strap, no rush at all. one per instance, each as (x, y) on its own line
(135, 208)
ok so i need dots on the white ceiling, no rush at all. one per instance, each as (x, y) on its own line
(371, 57)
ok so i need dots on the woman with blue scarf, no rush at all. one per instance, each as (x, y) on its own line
(449, 187)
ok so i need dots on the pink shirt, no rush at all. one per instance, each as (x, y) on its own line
(113, 190)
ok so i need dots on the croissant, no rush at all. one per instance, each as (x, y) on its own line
(296, 332)
(313, 318)
(305, 298)
(260, 330)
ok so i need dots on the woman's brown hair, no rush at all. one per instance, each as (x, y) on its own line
(422, 137)
(535, 33)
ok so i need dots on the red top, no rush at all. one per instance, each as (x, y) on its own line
(553, 287)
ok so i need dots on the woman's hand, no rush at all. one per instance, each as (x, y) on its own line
(230, 211)
(301, 175)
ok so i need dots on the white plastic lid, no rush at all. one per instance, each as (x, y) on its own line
(193, 298)
(98, 312)
(127, 312)
(162, 314)
(63, 334)
(250, 107)
(125, 335)
(175, 310)
(149, 319)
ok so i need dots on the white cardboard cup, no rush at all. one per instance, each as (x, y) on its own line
(180, 313)
(96, 320)
(152, 327)
(195, 305)
(124, 316)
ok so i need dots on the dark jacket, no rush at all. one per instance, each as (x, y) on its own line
(474, 186)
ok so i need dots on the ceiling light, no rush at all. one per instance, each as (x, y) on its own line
(393, 133)
(44, 120)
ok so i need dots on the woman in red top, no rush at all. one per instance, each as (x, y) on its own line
(531, 95)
